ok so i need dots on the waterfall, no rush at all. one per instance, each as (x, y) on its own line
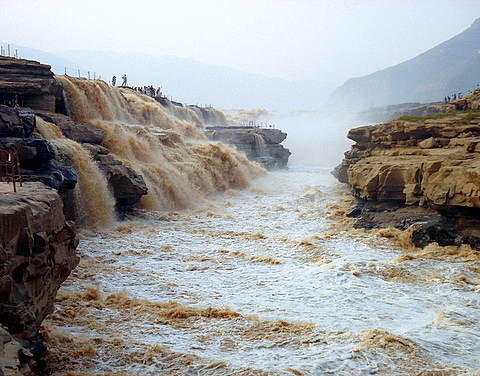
(174, 157)
(94, 202)
(260, 147)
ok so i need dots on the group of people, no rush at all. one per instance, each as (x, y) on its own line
(124, 80)
(147, 90)
(448, 99)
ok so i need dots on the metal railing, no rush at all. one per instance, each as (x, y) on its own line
(10, 167)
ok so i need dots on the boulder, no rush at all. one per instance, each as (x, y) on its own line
(127, 186)
(16, 122)
(78, 132)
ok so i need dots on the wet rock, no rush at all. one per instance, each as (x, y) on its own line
(81, 133)
(128, 187)
(16, 122)
(260, 145)
(37, 162)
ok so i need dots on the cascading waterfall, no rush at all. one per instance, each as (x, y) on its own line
(260, 147)
(94, 202)
(178, 164)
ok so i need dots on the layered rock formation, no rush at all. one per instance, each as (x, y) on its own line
(259, 144)
(26, 83)
(37, 253)
(394, 111)
(432, 162)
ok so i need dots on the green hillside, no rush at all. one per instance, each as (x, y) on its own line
(451, 67)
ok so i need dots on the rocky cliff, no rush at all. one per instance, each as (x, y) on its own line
(37, 253)
(26, 83)
(262, 145)
(420, 171)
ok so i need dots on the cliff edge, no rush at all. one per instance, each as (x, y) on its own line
(422, 172)
(37, 253)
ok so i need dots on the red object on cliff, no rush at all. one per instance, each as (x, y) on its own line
(10, 167)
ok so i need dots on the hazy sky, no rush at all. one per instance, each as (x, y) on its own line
(315, 40)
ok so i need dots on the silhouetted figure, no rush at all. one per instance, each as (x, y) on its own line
(114, 80)
(124, 80)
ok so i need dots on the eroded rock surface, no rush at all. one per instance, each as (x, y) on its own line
(261, 145)
(26, 83)
(434, 162)
(37, 253)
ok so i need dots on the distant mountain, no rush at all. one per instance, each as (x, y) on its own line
(57, 63)
(451, 67)
(192, 82)
(188, 81)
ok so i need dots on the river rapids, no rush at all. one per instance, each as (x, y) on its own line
(269, 280)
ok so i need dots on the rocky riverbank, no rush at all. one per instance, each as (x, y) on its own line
(419, 173)
(37, 253)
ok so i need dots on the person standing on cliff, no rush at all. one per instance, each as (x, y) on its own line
(114, 80)
(124, 80)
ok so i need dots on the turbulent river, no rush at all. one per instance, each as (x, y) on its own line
(270, 280)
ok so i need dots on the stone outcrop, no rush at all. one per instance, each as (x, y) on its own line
(429, 163)
(26, 83)
(259, 144)
(37, 253)
(36, 155)
(127, 185)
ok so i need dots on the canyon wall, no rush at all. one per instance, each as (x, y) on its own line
(430, 163)
(37, 253)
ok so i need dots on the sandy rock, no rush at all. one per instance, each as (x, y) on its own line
(37, 251)
(28, 82)
(435, 162)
